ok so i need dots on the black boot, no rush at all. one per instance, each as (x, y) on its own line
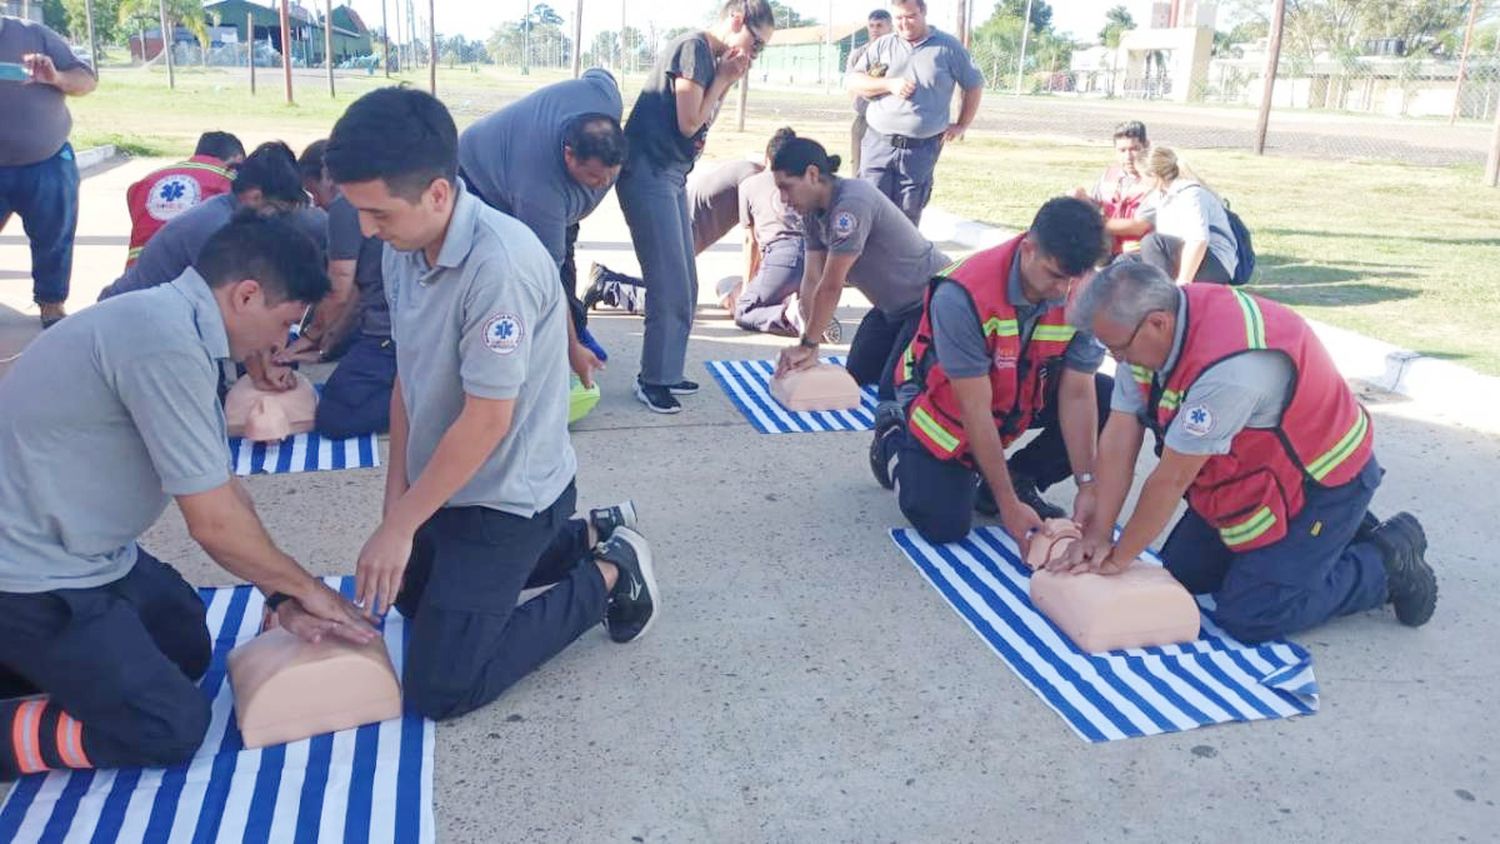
(1411, 583)
(889, 418)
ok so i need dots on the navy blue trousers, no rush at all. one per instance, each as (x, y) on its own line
(357, 397)
(122, 659)
(903, 175)
(1317, 572)
(45, 196)
(469, 640)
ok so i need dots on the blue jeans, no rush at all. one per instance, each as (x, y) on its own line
(45, 196)
(357, 397)
(1315, 573)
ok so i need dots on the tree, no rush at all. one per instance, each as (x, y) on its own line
(787, 17)
(185, 13)
(1117, 22)
(1041, 13)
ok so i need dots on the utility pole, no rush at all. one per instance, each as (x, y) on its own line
(286, 51)
(166, 44)
(88, 12)
(400, 60)
(385, 34)
(432, 55)
(250, 42)
(328, 42)
(578, 40)
(1273, 62)
(1463, 60)
(1025, 34)
(525, 37)
(744, 96)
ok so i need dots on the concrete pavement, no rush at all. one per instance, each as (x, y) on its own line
(804, 683)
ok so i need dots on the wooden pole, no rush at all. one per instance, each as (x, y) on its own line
(385, 34)
(286, 51)
(166, 43)
(1463, 60)
(578, 40)
(432, 47)
(1273, 63)
(88, 13)
(1021, 63)
(250, 42)
(328, 42)
(1492, 166)
(399, 58)
(744, 97)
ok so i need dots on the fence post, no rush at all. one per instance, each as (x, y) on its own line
(250, 47)
(1025, 33)
(385, 36)
(1273, 63)
(328, 42)
(432, 55)
(578, 40)
(88, 12)
(1463, 60)
(286, 51)
(166, 44)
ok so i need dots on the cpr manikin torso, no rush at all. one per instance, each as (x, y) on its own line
(821, 387)
(265, 416)
(1141, 607)
(286, 689)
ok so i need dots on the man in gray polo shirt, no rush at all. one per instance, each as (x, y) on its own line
(548, 160)
(113, 637)
(480, 487)
(909, 76)
(38, 177)
(854, 235)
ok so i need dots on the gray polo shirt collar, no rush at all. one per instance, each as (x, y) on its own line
(1178, 334)
(207, 317)
(459, 240)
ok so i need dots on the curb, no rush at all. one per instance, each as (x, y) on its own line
(95, 156)
(1385, 366)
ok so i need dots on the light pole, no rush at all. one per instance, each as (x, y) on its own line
(166, 44)
(1025, 34)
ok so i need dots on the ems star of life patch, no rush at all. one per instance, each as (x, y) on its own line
(503, 333)
(844, 223)
(172, 195)
(1198, 421)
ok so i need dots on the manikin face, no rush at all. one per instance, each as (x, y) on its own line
(405, 224)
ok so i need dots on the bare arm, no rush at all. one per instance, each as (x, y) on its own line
(875, 87)
(1078, 414)
(74, 83)
(332, 318)
(1163, 489)
(1119, 446)
(1134, 227)
(395, 473)
(820, 307)
(695, 104)
(969, 108)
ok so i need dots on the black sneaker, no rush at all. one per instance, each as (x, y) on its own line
(607, 520)
(657, 397)
(1366, 530)
(684, 388)
(888, 420)
(598, 277)
(1026, 490)
(632, 603)
(1410, 581)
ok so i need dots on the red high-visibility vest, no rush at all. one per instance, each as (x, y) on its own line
(170, 191)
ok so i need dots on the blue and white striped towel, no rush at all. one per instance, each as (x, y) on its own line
(748, 384)
(1119, 694)
(303, 453)
(373, 783)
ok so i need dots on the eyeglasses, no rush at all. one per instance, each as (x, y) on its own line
(1118, 352)
(757, 43)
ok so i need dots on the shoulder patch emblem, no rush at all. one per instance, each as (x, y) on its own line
(172, 195)
(844, 223)
(503, 333)
(1198, 421)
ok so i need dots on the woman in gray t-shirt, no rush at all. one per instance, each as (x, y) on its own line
(667, 129)
(1191, 240)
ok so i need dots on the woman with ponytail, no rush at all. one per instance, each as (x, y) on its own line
(667, 129)
(1192, 240)
(854, 235)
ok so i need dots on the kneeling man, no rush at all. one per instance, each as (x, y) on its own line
(1272, 450)
(107, 639)
(992, 358)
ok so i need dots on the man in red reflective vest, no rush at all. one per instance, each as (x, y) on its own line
(1257, 429)
(168, 192)
(992, 358)
(1121, 192)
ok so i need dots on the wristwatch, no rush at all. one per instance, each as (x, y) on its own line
(807, 342)
(1083, 478)
(276, 599)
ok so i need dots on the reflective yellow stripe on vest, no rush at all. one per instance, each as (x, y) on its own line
(934, 430)
(1053, 333)
(1249, 530)
(997, 327)
(908, 362)
(135, 253)
(1334, 457)
(1255, 324)
(197, 165)
(1170, 399)
(1141, 374)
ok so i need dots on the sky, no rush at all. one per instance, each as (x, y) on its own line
(477, 18)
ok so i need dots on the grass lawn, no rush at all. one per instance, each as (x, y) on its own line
(1407, 254)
